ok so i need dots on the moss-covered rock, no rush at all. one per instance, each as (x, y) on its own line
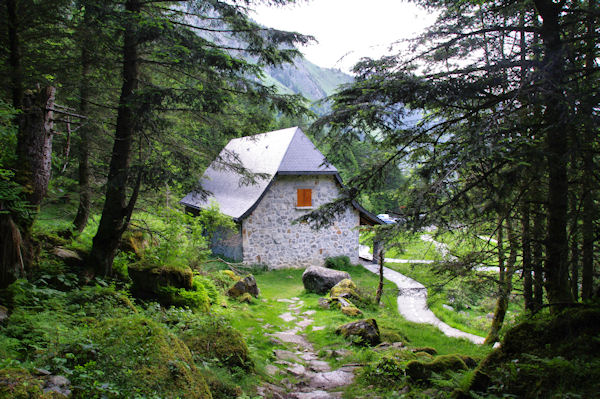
(351, 311)
(557, 356)
(135, 242)
(345, 289)
(426, 349)
(19, 383)
(247, 285)
(142, 358)
(245, 298)
(149, 278)
(421, 371)
(221, 388)
(217, 339)
(363, 332)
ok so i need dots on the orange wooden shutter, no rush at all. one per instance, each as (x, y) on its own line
(304, 197)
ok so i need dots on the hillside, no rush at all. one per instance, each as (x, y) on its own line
(306, 78)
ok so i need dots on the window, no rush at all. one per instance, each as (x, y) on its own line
(304, 197)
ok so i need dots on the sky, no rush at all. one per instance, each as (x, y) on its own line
(347, 30)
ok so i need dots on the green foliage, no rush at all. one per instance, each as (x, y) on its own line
(197, 299)
(10, 197)
(422, 371)
(215, 339)
(142, 358)
(8, 135)
(341, 262)
(180, 239)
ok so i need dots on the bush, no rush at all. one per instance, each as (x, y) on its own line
(421, 371)
(215, 338)
(171, 296)
(137, 357)
(341, 262)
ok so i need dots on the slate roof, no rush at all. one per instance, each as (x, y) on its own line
(286, 152)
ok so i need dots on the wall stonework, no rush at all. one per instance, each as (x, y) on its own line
(270, 238)
(228, 242)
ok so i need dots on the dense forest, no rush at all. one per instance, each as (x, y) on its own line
(482, 135)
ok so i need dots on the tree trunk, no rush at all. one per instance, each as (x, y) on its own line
(380, 285)
(505, 276)
(588, 184)
(538, 249)
(83, 211)
(12, 265)
(116, 212)
(555, 118)
(526, 254)
(34, 144)
(16, 73)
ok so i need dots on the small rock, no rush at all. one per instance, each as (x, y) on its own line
(287, 317)
(285, 300)
(331, 379)
(304, 323)
(295, 298)
(324, 303)
(3, 314)
(309, 312)
(340, 353)
(448, 307)
(297, 370)
(70, 258)
(318, 328)
(271, 370)
(285, 355)
(246, 285)
(319, 366)
(42, 371)
(59, 380)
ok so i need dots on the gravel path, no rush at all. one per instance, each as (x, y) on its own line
(412, 300)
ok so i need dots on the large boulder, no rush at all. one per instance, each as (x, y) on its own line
(247, 285)
(366, 330)
(148, 278)
(320, 279)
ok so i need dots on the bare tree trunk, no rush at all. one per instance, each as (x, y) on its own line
(555, 116)
(380, 285)
(12, 264)
(16, 73)
(34, 144)
(526, 254)
(83, 210)
(538, 249)
(588, 184)
(505, 276)
(116, 212)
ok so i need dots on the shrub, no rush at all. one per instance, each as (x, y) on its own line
(215, 338)
(171, 296)
(203, 282)
(421, 371)
(388, 372)
(341, 262)
(140, 358)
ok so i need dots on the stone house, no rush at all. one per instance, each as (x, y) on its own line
(297, 179)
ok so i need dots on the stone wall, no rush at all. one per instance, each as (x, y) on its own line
(228, 242)
(270, 238)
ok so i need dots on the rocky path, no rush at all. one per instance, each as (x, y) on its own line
(412, 300)
(306, 376)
